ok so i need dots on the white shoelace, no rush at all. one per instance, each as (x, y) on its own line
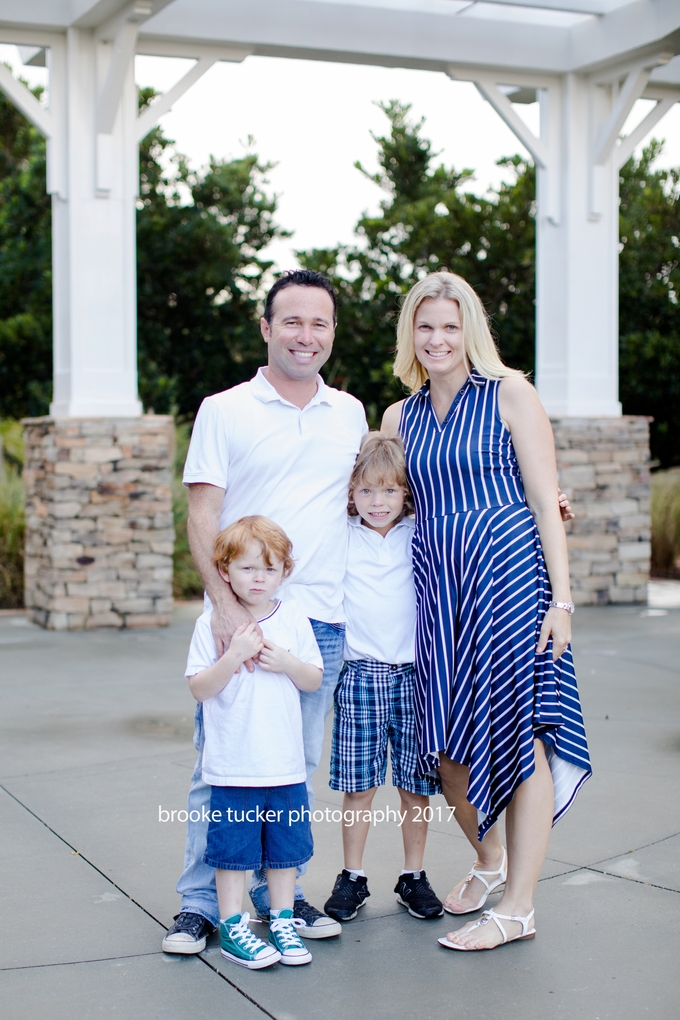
(285, 927)
(241, 933)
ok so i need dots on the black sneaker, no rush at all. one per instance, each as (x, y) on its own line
(349, 893)
(416, 894)
(188, 934)
(317, 925)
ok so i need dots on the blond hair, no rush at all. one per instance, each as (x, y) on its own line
(381, 459)
(235, 539)
(480, 349)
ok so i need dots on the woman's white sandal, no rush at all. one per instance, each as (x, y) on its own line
(491, 915)
(497, 877)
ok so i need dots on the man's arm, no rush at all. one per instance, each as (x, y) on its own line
(205, 506)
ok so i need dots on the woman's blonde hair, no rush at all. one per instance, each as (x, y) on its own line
(235, 539)
(381, 459)
(479, 346)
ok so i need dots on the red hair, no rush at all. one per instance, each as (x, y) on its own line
(234, 541)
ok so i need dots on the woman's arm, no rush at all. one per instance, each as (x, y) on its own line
(532, 438)
(391, 419)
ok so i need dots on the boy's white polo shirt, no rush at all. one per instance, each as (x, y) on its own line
(290, 464)
(380, 598)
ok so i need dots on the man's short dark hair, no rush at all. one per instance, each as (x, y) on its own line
(299, 278)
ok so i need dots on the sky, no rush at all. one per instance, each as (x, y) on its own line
(313, 120)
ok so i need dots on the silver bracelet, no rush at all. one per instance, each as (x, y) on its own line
(569, 606)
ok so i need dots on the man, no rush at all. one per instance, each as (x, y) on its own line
(282, 445)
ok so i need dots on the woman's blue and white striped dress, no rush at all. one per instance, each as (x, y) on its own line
(483, 693)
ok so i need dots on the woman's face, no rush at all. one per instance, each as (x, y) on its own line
(438, 337)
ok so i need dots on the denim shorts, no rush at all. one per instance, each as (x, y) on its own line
(374, 707)
(253, 827)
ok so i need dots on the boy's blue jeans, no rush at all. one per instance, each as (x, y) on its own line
(196, 885)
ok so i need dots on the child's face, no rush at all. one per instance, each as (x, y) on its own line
(379, 504)
(252, 581)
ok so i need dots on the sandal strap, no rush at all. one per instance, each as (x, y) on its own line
(524, 921)
(478, 873)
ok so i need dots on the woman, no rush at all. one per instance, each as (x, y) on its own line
(497, 702)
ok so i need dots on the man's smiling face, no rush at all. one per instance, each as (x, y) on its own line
(300, 335)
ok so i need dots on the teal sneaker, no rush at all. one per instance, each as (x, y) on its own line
(283, 936)
(240, 945)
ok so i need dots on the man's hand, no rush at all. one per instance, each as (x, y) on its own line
(226, 621)
(566, 512)
(246, 642)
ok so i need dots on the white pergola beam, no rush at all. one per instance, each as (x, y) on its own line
(633, 88)
(631, 141)
(152, 114)
(504, 108)
(25, 101)
(122, 53)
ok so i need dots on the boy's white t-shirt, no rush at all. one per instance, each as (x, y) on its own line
(379, 595)
(253, 727)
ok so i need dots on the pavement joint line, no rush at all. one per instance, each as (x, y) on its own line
(626, 878)
(75, 963)
(132, 900)
(82, 856)
(613, 857)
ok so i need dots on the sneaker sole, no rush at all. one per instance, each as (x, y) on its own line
(421, 917)
(295, 961)
(324, 931)
(186, 948)
(351, 916)
(268, 961)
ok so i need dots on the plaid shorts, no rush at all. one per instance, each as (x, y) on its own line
(374, 706)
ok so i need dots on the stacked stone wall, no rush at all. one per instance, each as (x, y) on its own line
(603, 466)
(99, 529)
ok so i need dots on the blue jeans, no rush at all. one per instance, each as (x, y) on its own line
(196, 885)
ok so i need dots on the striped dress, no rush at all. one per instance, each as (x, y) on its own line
(482, 692)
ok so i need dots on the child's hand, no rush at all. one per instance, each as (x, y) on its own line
(246, 642)
(274, 659)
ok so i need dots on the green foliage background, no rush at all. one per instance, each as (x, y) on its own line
(202, 276)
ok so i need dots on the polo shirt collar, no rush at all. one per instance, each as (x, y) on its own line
(263, 390)
(405, 522)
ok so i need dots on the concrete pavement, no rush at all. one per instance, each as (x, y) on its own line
(96, 736)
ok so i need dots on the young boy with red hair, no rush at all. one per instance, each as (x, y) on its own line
(254, 757)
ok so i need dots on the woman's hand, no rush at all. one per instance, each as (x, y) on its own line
(556, 624)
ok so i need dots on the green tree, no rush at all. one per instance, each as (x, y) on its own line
(648, 306)
(427, 222)
(25, 268)
(199, 273)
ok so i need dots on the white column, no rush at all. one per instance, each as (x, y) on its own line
(577, 287)
(93, 229)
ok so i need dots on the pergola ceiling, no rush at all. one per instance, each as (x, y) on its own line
(554, 36)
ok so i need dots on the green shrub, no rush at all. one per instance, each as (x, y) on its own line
(666, 523)
(186, 582)
(12, 524)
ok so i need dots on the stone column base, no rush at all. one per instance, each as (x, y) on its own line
(603, 466)
(99, 529)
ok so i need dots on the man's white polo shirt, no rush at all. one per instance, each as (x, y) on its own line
(292, 465)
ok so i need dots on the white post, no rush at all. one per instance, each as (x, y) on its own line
(93, 247)
(577, 267)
